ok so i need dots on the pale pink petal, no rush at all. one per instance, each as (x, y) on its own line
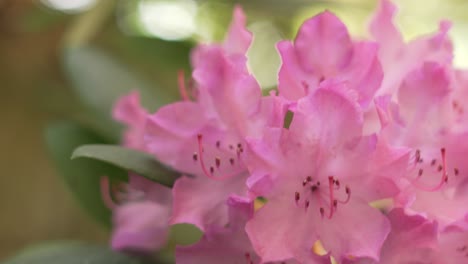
(360, 229)
(364, 72)
(202, 201)
(294, 82)
(384, 31)
(129, 111)
(331, 115)
(238, 38)
(323, 44)
(140, 226)
(279, 231)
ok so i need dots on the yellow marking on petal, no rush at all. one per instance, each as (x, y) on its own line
(383, 205)
(318, 248)
(333, 260)
(259, 203)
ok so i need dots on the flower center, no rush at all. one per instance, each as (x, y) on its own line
(326, 198)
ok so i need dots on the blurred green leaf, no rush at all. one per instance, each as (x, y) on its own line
(141, 163)
(39, 19)
(70, 253)
(82, 176)
(99, 81)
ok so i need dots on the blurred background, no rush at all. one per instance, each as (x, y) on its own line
(70, 59)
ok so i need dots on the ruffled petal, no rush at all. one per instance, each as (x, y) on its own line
(202, 201)
(356, 230)
(323, 44)
(140, 226)
(238, 38)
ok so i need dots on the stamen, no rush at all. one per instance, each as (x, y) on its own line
(202, 162)
(456, 171)
(348, 195)
(195, 156)
(322, 212)
(332, 198)
(248, 258)
(433, 162)
(307, 203)
(218, 162)
(182, 88)
(231, 160)
(297, 197)
(441, 168)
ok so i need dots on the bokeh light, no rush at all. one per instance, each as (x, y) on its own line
(169, 20)
(69, 6)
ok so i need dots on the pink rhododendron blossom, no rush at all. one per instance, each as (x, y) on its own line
(323, 49)
(413, 239)
(209, 142)
(370, 121)
(399, 58)
(322, 178)
(230, 244)
(141, 218)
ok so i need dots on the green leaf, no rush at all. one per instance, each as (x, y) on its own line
(70, 253)
(82, 176)
(141, 163)
(99, 81)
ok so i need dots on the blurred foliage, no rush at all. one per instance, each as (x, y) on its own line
(72, 66)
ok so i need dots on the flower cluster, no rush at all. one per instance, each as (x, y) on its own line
(359, 157)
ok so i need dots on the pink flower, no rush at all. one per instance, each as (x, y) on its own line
(434, 183)
(229, 244)
(399, 58)
(322, 50)
(413, 239)
(205, 137)
(141, 218)
(319, 177)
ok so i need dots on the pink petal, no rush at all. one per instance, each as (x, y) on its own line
(331, 115)
(364, 72)
(323, 44)
(140, 226)
(294, 82)
(238, 38)
(202, 201)
(384, 31)
(279, 231)
(356, 230)
(129, 111)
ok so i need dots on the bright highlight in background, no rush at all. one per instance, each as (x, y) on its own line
(170, 20)
(69, 6)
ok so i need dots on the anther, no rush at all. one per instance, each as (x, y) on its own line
(218, 162)
(433, 162)
(231, 160)
(231, 147)
(337, 183)
(297, 197)
(455, 171)
(218, 144)
(439, 168)
(195, 156)
(322, 211)
(420, 172)
(313, 188)
(307, 203)
(211, 169)
(335, 203)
